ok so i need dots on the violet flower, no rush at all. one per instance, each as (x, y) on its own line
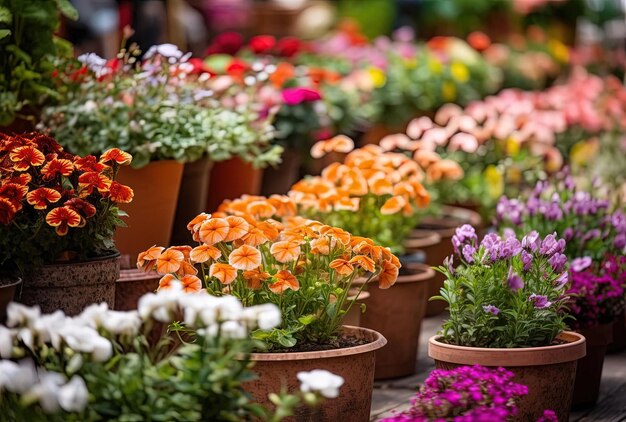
(580, 264)
(514, 280)
(539, 301)
(491, 309)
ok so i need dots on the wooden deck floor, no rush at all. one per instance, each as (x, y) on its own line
(395, 395)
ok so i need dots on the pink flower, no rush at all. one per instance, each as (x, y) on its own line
(295, 96)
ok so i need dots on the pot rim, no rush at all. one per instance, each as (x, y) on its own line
(574, 349)
(378, 342)
(425, 273)
(15, 281)
(421, 239)
(447, 228)
(135, 274)
(110, 257)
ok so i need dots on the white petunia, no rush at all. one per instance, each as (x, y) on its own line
(19, 315)
(6, 342)
(320, 381)
(17, 378)
(166, 50)
(127, 323)
(233, 330)
(73, 396)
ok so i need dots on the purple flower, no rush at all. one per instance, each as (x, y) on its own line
(620, 241)
(579, 264)
(508, 233)
(510, 247)
(464, 234)
(549, 245)
(561, 281)
(468, 253)
(491, 309)
(558, 261)
(295, 96)
(514, 280)
(539, 301)
(531, 241)
(491, 242)
(568, 234)
(448, 262)
(548, 416)
(527, 260)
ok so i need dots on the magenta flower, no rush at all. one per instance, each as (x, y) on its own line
(514, 280)
(539, 301)
(491, 309)
(295, 96)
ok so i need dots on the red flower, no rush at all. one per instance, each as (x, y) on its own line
(114, 64)
(117, 156)
(14, 192)
(88, 163)
(289, 47)
(262, 44)
(62, 218)
(26, 156)
(7, 211)
(90, 180)
(478, 40)
(120, 193)
(57, 166)
(40, 198)
(82, 207)
(45, 144)
(236, 69)
(227, 43)
(199, 66)
(21, 179)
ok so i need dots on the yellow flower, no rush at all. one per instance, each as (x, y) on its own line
(512, 146)
(558, 50)
(513, 175)
(495, 181)
(410, 63)
(459, 72)
(448, 90)
(582, 152)
(378, 76)
(435, 65)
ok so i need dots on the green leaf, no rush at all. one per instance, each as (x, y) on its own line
(4, 33)
(307, 319)
(67, 9)
(5, 15)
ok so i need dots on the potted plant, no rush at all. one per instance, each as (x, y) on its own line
(507, 306)
(596, 238)
(465, 394)
(102, 364)
(305, 268)
(157, 108)
(59, 215)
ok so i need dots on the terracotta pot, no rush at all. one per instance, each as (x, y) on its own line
(355, 364)
(419, 240)
(72, 286)
(9, 286)
(353, 316)
(397, 314)
(131, 285)
(445, 225)
(230, 179)
(548, 372)
(194, 190)
(151, 214)
(589, 373)
(281, 178)
(619, 334)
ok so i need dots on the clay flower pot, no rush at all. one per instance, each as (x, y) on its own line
(619, 334)
(131, 285)
(353, 316)
(419, 240)
(589, 373)
(279, 179)
(194, 189)
(230, 179)
(444, 225)
(151, 214)
(72, 286)
(397, 314)
(548, 372)
(355, 364)
(9, 286)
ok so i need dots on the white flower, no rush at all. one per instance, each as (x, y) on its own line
(46, 328)
(90, 106)
(87, 340)
(93, 315)
(266, 316)
(159, 306)
(127, 323)
(19, 315)
(320, 381)
(93, 61)
(229, 308)
(233, 330)
(73, 396)
(6, 342)
(47, 389)
(165, 50)
(17, 378)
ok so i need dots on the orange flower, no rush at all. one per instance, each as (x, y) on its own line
(339, 143)
(284, 281)
(197, 221)
(88, 164)
(62, 218)
(186, 268)
(90, 180)
(26, 156)
(380, 186)
(21, 179)
(14, 192)
(245, 258)
(260, 209)
(285, 251)
(120, 194)
(7, 211)
(223, 272)
(84, 208)
(238, 228)
(336, 233)
(255, 278)
(342, 266)
(40, 198)
(285, 206)
(393, 205)
(191, 284)
(347, 204)
(167, 282)
(57, 166)
(388, 275)
(185, 249)
(147, 259)
(169, 261)
(255, 237)
(270, 229)
(284, 72)
(320, 246)
(364, 262)
(203, 253)
(214, 231)
(116, 155)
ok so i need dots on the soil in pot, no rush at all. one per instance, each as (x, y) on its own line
(589, 372)
(9, 289)
(72, 286)
(397, 314)
(548, 372)
(355, 364)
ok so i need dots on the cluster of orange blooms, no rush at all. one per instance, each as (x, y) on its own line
(243, 247)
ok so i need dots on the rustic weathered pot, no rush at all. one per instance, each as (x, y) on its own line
(131, 285)
(397, 314)
(230, 179)
(151, 214)
(72, 286)
(353, 316)
(279, 179)
(194, 190)
(619, 334)
(548, 372)
(355, 364)
(445, 225)
(589, 373)
(9, 287)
